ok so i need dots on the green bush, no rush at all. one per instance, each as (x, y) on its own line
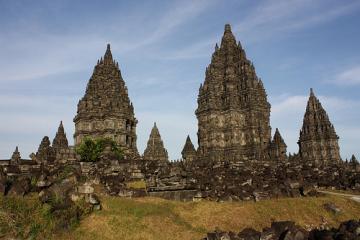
(90, 150)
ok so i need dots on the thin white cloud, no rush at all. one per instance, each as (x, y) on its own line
(349, 77)
(176, 16)
(272, 18)
(47, 54)
(284, 15)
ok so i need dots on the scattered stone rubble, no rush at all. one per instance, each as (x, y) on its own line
(289, 231)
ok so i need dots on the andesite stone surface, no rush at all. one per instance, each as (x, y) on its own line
(155, 149)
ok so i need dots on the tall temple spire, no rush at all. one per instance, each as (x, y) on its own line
(233, 112)
(188, 153)
(60, 141)
(106, 110)
(155, 149)
(318, 141)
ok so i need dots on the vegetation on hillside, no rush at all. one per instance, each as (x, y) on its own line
(90, 150)
(152, 218)
(27, 218)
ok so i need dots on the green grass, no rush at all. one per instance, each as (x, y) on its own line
(27, 218)
(152, 218)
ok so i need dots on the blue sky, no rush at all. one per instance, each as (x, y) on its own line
(48, 50)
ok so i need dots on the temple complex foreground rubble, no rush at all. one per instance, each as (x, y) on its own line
(237, 157)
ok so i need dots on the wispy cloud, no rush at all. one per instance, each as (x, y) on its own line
(50, 53)
(349, 77)
(179, 14)
(272, 17)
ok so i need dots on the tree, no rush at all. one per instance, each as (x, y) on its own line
(90, 150)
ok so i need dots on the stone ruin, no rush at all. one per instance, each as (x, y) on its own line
(290, 231)
(236, 159)
(155, 149)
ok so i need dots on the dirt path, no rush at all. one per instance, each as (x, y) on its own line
(351, 196)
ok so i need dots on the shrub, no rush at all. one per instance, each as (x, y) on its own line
(90, 150)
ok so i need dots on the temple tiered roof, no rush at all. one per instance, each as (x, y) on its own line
(233, 112)
(155, 149)
(318, 140)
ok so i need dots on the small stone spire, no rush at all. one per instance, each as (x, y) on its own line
(312, 93)
(318, 140)
(354, 161)
(155, 149)
(188, 153)
(228, 39)
(60, 141)
(108, 59)
(16, 157)
(45, 152)
(278, 146)
(227, 28)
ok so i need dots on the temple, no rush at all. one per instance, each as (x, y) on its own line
(233, 112)
(105, 110)
(155, 149)
(318, 140)
(188, 153)
(60, 141)
(278, 147)
(237, 158)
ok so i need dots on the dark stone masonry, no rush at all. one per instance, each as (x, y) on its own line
(237, 157)
(289, 231)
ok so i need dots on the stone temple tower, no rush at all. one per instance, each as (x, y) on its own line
(155, 149)
(278, 147)
(105, 110)
(188, 153)
(318, 140)
(233, 112)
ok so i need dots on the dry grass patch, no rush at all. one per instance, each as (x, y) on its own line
(141, 184)
(153, 218)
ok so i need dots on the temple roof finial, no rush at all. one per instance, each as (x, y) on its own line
(228, 38)
(227, 28)
(312, 92)
(108, 59)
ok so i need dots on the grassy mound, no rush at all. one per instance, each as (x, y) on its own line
(151, 218)
(28, 218)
